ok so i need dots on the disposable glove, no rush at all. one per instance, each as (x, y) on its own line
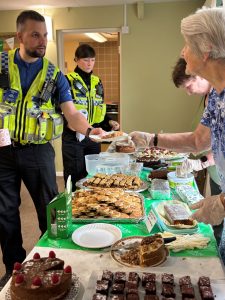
(209, 210)
(142, 139)
(189, 165)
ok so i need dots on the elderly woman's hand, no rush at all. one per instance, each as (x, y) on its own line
(142, 139)
(209, 210)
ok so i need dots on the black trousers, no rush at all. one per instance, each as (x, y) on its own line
(34, 164)
(73, 153)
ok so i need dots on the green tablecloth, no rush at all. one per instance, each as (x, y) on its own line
(136, 229)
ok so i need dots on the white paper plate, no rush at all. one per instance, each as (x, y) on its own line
(97, 235)
(97, 138)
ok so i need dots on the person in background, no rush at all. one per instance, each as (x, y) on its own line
(31, 90)
(88, 97)
(204, 53)
(195, 85)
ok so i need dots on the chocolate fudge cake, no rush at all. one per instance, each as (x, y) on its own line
(152, 250)
(40, 278)
(177, 214)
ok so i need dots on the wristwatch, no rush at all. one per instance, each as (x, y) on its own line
(155, 140)
(88, 131)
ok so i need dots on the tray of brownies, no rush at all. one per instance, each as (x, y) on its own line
(107, 204)
(108, 284)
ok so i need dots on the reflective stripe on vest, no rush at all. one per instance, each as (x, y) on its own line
(26, 121)
(93, 103)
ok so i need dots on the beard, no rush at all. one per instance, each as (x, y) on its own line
(35, 53)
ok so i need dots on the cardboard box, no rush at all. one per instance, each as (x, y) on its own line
(59, 213)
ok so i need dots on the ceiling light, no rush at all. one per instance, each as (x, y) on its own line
(96, 37)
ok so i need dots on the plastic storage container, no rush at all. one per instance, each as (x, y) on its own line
(174, 180)
(160, 189)
(188, 194)
(107, 163)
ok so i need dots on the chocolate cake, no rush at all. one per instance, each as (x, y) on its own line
(152, 250)
(159, 174)
(40, 278)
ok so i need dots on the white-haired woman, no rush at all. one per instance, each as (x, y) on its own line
(204, 52)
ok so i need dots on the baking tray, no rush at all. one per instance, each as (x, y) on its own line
(218, 286)
(144, 186)
(114, 220)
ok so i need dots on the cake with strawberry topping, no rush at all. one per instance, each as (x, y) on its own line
(40, 278)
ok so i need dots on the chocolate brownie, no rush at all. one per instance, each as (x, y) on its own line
(151, 297)
(133, 297)
(107, 275)
(204, 281)
(206, 293)
(148, 277)
(185, 280)
(131, 287)
(168, 290)
(187, 290)
(120, 277)
(167, 278)
(150, 288)
(99, 297)
(117, 288)
(134, 277)
(102, 287)
(117, 297)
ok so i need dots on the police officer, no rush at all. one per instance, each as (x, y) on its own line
(30, 87)
(88, 95)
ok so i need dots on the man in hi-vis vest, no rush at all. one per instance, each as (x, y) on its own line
(88, 97)
(31, 90)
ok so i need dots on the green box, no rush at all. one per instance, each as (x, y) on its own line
(59, 213)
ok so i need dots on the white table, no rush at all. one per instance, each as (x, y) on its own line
(84, 262)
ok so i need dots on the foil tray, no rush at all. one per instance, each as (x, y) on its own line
(114, 220)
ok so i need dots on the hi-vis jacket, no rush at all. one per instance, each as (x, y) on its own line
(28, 119)
(90, 100)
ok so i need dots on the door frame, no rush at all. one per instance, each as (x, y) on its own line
(60, 41)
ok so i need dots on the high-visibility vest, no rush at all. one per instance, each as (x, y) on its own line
(88, 99)
(28, 119)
